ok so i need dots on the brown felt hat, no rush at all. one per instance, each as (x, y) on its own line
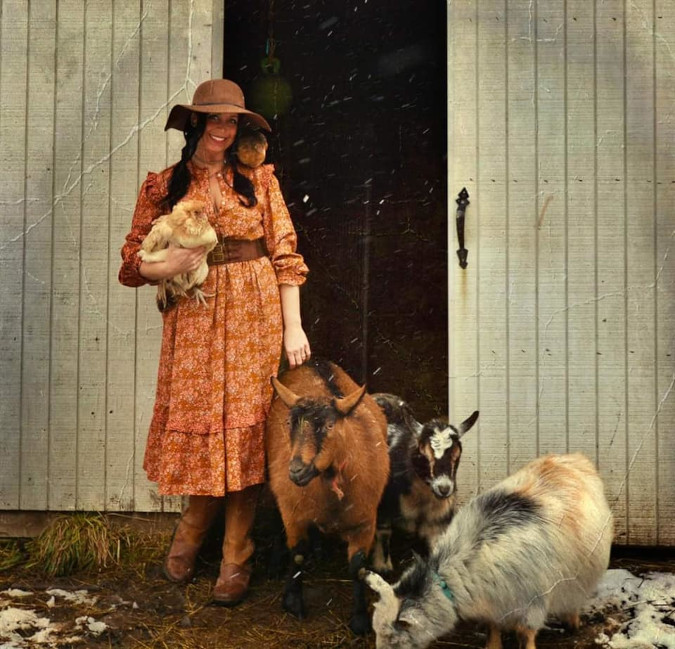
(214, 96)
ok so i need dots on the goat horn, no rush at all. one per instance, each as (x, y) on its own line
(345, 405)
(467, 424)
(287, 396)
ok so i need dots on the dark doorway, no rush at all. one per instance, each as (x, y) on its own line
(360, 151)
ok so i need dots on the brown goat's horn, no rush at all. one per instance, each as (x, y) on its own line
(287, 396)
(345, 405)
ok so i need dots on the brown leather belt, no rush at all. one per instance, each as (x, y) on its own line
(229, 251)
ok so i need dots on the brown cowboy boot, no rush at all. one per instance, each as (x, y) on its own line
(188, 536)
(235, 572)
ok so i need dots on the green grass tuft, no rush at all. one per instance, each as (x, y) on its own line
(77, 542)
(11, 554)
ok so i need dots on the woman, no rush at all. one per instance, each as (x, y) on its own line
(213, 389)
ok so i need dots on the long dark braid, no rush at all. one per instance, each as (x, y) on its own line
(181, 176)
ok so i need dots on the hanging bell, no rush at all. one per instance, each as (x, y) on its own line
(270, 93)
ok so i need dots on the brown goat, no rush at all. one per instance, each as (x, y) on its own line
(328, 467)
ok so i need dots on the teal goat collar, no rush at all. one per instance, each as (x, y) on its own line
(444, 586)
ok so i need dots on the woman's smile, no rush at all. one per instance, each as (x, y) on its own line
(219, 134)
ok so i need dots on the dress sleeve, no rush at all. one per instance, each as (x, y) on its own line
(148, 208)
(280, 236)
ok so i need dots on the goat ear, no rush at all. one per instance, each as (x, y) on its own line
(345, 405)
(288, 397)
(467, 424)
(404, 622)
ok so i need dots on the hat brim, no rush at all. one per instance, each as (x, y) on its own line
(180, 114)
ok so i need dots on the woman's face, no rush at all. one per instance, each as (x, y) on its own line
(219, 133)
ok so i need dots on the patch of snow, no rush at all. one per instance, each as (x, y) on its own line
(95, 627)
(16, 592)
(75, 597)
(13, 620)
(650, 604)
(21, 627)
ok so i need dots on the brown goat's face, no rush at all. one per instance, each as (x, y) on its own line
(312, 423)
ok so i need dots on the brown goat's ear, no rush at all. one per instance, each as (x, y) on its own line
(345, 405)
(287, 396)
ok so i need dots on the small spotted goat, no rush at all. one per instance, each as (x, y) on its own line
(420, 497)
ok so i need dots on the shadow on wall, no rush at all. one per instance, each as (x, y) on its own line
(360, 151)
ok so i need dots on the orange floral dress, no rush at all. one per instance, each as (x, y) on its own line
(213, 387)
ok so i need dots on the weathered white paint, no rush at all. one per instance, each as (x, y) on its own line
(562, 327)
(86, 89)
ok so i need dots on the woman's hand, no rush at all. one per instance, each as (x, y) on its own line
(296, 345)
(177, 261)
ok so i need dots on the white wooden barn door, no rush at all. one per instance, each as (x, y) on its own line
(85, 88)
(562, 326)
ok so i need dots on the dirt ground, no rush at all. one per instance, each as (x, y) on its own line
(142, 610)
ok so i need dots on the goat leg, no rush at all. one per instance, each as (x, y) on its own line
(359, 622)
(382, 554)
(292, 600)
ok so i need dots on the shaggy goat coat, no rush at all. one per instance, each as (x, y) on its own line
(534, 545)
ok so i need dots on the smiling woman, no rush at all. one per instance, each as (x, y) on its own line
(213, 391)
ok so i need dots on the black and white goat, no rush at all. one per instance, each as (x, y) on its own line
(534, 545)
(420, 497)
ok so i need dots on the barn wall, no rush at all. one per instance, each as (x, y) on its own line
(86, 88)
(562, 326)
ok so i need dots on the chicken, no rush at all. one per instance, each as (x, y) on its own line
(186, 226)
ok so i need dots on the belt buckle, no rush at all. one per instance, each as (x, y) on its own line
(217, 254)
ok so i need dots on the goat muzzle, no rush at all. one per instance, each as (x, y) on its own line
(443, 489)
(300, 473)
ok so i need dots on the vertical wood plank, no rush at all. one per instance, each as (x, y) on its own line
(492, 207)
(201, 40)
(38, 255)
(13, 83)
(611, 256)
(63, 416)
(522, 233)
(581, 219)
(120, 448)
(462, 295)
(665, 270)
(217, 39)
(551, 229)
(153, 100)
(640, 272)
(94, 255)
(184, 76)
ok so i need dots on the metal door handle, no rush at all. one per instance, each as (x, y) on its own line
(462, 201)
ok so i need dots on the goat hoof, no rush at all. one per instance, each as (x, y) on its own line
(360, 624)
(293, 605)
